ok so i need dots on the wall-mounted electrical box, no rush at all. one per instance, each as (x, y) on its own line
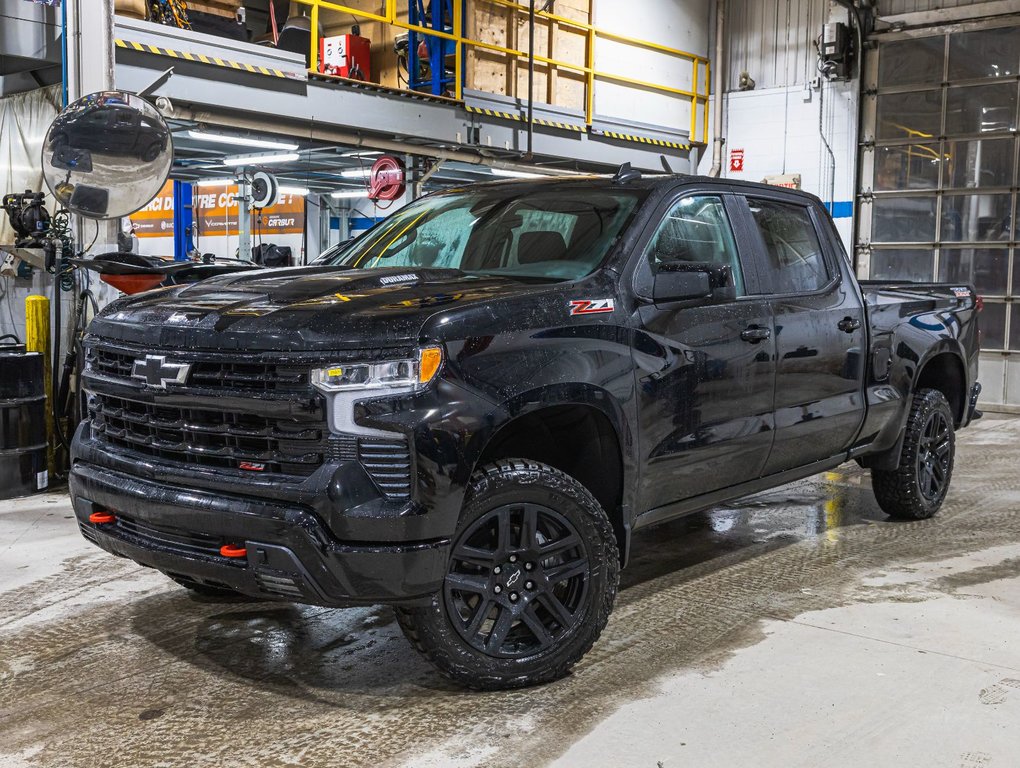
(835, 50)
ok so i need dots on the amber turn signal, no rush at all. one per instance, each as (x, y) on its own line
(430, 360)
(229, 550)
(101, 518)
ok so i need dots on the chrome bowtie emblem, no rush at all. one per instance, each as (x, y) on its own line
(513, 579)
(156, 372)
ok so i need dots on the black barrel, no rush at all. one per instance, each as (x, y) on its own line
(22, 422)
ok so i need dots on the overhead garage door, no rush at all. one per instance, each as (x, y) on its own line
(940, 181)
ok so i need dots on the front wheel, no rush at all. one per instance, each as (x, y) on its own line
(531, 580)
(916, 489)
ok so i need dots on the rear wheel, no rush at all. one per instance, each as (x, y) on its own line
(531, 580)
(916, 489)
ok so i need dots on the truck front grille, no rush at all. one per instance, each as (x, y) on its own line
(254, 413)
(226, 374)
(209, 438)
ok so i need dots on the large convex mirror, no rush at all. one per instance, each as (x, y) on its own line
(107, 155)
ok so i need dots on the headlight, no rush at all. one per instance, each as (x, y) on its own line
(392, 374)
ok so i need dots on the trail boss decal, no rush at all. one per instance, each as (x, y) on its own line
(591, 306)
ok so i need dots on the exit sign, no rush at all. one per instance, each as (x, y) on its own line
(736, 161)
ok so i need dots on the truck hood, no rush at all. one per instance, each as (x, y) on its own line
(305, 309)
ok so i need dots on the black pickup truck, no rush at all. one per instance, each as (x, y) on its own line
(467, 411)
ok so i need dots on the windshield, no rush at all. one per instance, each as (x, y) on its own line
(560, 234)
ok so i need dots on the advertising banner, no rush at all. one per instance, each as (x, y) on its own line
(215, 213)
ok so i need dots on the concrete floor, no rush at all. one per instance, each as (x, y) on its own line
(797, 628)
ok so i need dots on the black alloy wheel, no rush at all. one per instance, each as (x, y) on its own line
(530, 582)
(517, 580)
(933, 456)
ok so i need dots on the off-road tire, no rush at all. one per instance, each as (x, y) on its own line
(906, 492)
(517, 484)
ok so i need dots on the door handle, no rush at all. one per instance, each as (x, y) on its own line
(755, 334)
(848, 324)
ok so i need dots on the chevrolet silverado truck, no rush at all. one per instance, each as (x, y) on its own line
(466, 412)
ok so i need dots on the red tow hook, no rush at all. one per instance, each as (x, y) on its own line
(230, 550)
(102, 518)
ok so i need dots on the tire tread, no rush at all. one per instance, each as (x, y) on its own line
(415, 622)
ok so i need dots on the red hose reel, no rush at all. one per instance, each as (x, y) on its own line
(388, 179)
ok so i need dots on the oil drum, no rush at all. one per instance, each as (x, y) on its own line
(22, 422)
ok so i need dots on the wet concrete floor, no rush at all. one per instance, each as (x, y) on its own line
(799, 627)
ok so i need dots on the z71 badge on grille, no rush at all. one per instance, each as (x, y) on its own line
(591, 306)
(155, 371)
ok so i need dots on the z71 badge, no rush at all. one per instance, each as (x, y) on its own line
(591, 306)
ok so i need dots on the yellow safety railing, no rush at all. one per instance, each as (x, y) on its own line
(697, 94)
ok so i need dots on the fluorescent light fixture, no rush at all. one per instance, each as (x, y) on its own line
(356, 173)
(361, 153)
(300, 191)
(215, 182)
(241, 141)
(510, 174)
(287, 157)
(349, 194)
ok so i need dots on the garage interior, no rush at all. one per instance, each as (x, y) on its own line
(798, 626)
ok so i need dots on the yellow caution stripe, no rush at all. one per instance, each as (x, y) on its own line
(215, 61)
(522, 119)
(645, 140)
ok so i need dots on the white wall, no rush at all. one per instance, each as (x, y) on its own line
(781, 128)
(778, 129)
(681, 25)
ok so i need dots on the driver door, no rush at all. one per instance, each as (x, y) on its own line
(705, 367)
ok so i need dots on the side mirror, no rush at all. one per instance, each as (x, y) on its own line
(678, 281)
(107, 155)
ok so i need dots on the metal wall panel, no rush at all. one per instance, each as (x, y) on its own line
(896, 7)
(773, 40)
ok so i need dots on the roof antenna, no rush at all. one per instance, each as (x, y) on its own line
(625, 174)
(665, 165)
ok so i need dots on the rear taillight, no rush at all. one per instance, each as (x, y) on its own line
(979, 303)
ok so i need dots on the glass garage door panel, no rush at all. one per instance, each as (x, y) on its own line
(915, 264)
(977, 163)
(904, 219)
(987, 269)
(983, 53)
(981, 109)
(992, 322)
(912, 62)
(976, 218)
(909, 115)
(907, 166)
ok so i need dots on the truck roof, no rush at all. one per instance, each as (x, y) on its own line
(649, 181)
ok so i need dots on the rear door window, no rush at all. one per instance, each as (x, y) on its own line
(794, 257)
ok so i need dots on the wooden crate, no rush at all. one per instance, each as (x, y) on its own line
(495, 72)
(136, 9)
(224, 8)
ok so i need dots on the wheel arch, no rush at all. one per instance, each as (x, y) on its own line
(585, 437)
(945, 371)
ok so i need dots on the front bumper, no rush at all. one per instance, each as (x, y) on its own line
(291, 554)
